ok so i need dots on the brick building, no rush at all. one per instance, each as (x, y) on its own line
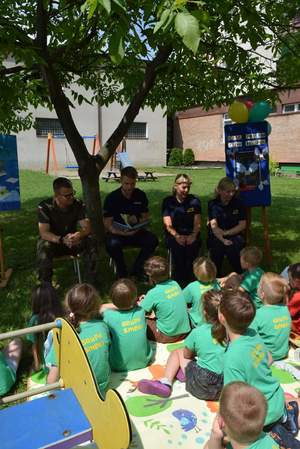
(203, 131)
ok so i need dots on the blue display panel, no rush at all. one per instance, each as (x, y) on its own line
(247, 161)
(9, 174)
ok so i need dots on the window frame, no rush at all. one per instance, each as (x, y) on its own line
(138, 136)
(45, 125)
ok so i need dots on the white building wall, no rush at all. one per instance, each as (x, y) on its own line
(149, 152)
(32, 150)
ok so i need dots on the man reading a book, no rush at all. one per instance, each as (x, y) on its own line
(126, 216)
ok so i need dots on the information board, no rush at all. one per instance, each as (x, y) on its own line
(9, 174)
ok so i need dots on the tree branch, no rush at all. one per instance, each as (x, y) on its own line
(133, 109)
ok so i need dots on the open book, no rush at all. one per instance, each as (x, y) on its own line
(127, 227)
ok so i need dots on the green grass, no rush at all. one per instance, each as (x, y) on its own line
(20, 233)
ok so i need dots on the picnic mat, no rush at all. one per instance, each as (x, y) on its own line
(180, 421)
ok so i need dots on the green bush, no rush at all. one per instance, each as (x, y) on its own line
(188, 157)
(273, 166)
(175, 158)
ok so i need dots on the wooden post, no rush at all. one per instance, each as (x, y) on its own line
(267, 244)
(266, 238)
(48, 153)
(5, 274)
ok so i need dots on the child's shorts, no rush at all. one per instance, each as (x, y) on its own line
(203, 383)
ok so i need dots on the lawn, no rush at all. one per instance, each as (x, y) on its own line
(20, 236)
(20, 233)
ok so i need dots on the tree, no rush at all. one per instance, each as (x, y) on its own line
(176, 53)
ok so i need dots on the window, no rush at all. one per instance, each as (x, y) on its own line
(138, 130)
(44, 126)
(291, 107)
(226, 121)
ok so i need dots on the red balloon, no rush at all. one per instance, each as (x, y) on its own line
(249, 103)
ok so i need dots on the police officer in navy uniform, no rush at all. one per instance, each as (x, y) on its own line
(182, 219)
(227, 221)
(128, 204)
(64, 229)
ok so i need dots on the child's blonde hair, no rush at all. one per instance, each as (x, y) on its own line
(181, 178)
(82, 303)
(157, 268)
(252, 255)
(204, 269)
(243, 409)
(273, 289)
(123, 293)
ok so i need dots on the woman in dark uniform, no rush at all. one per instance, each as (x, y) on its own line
(226, 223)
(182, 218)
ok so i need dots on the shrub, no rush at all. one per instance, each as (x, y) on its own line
(273, 166)
(188, 157)
(175, 158)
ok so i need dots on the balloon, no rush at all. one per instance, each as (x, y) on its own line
(259, 111)
(238, 112)
(269, 127)
(249, 104)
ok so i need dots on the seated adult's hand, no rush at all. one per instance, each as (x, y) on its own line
(180, 239)
(190, 239)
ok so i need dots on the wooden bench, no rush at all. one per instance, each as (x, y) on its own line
(148, 176)
(111, 175)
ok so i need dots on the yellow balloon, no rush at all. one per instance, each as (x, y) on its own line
(238, 112)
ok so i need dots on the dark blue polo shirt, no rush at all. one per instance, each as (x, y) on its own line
(228, 215)
(116, 204)
(182, 214)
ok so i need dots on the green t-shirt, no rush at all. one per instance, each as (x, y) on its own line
(94, 336)
(246, 359)
(193, 295)
(250, 284)
(263, 442)
(167, 301)
(32, 322)
(273, 324)
(130, 348)
(210, 354)
(7, 375)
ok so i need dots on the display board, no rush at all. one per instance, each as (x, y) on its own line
(9, 174)
(247, 161)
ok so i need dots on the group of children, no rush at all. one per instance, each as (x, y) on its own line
(233, 328)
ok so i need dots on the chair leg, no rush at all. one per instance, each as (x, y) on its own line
(170, 263)
(76, 265)
(112, 264)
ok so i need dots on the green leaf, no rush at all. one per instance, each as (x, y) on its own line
(187, 27)
(106, 5)
(120, 3)
(163, 18)
(116, 48)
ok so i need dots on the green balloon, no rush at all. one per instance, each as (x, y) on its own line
(259, 111)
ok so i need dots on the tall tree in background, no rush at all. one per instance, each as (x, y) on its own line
(172, 53)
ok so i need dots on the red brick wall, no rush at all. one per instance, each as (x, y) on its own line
(202, 131)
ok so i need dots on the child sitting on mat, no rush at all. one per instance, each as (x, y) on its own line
(203, 375)
(273, 321)
(294, 296)
(82, 305)
(205, 272)
(130, 349)
(166, 300)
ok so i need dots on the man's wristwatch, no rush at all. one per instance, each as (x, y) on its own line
(61, 240)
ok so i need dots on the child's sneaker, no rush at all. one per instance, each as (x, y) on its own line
(180, 375)
(292, 417)
(154, 387)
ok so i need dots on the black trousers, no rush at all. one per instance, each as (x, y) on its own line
(218, 250)
(47, 251)
(183, 258)
(143, 239)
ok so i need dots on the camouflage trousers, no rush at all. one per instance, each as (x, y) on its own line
(47, 251)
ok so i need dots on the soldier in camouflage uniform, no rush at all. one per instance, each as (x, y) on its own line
(64, 230)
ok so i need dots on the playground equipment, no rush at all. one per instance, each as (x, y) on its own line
(74, 412)
(51, 152)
